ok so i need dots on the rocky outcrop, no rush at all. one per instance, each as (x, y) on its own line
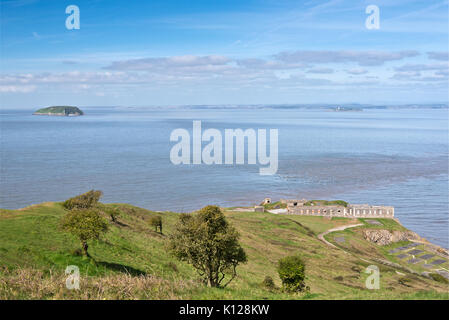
(383, 237)
(443, 251)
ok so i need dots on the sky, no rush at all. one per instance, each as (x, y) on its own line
(227, 52)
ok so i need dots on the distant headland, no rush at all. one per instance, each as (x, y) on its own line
(343, 109)
(65, 111)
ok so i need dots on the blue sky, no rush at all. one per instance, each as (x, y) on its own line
(146, 53)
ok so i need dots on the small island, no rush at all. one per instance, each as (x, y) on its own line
(65, 111)
(345, 109)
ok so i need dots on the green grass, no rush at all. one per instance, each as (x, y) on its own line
(326, 203)
(319, 224)
(34, 253)
(275, 205)
(386, 223)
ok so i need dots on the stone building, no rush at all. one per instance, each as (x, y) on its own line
(300, 207)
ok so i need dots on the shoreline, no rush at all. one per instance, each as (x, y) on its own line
(442, 250)
(56, 114)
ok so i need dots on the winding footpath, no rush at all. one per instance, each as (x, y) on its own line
(341, 228)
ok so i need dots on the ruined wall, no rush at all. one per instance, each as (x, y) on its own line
(352, 210)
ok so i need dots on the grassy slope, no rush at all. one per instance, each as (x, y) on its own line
(131, 260)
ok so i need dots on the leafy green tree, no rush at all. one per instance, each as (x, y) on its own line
(84, 224)
(292, 273)
(156, 222)
(84, 201)
(209, 244)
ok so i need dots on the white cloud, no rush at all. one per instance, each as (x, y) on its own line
(321, 70)
(357, 71)
(216, 72)
(444, 56)
(363, 58)
(175, 62)
(417, 76)
(16, 89)
(422, 67)
(262, 64)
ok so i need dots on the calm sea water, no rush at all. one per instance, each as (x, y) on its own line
(391, 157)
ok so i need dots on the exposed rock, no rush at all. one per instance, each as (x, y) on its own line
(404, 236)
(383, 237)
(380, 237)
(443, 251)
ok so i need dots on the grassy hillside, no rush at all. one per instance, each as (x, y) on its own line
(131, 260)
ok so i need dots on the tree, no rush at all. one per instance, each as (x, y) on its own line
(209, 244)
(83, 201)
(292, 273)
(156, 222)
(85, 224)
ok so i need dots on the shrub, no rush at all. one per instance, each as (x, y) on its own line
(268, 283)
(83, 201)
(156, 222)
(404, 281)
(356, 269)
(209, 244)
(439, 278)
(85, 225)
(292, 273)
(77, 252)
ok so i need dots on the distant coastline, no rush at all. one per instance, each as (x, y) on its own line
(312, 106)
(345, 109)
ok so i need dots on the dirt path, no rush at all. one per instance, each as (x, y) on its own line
(341, 228)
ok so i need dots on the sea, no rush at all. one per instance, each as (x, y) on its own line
(392, 156)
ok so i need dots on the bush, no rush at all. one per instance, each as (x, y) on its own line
(85, 225)
(404, 281)
(77, 252)
(156, 222)
(86, 200)
(356, 269)
(209, 244)
(268, 283)
(439, 278)
(292, 273)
